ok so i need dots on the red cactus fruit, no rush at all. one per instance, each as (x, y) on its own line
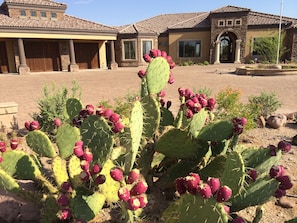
(78, 151)
(114, 118)
(164, 54)
(202, 101)
(96, 168)
(34, 125)
(211, 102)
(14, 143)
(277, 171)
(162, 94)
(28, 125)
(90, 109)
(64, 214)
(214, 184)
(124, 194)
(196, 177)
(116, 174)
(79, 143)
(83, 113)
(107, 113)
(191, 184)
(168, 104)
(66, 187)
(284, 146)
(100, 110)
(169, 59)
(189, 113)
(63, 200)
(224, 194)
(2, 146)
(205, 191)
(239, 220)
(88, 155)
(181, 92)
(227, 209)
(133, 176)
(100, 179)
(84, 175)
(253, 174)
(143, 200)
(285, 182)
(273, 150)
(117, 127)
(141, 73)
(180, 185)
(153, 53)
(139, 188)
(280, 193)
(1, 159)
(147, 58)
(57, 122)
(85, 165)
(133, 204)
(171, 79)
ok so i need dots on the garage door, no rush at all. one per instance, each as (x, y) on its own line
(3, 58)
(86, 55)
(42, 56)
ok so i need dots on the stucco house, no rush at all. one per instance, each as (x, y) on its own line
(37, 35)
(227, 34)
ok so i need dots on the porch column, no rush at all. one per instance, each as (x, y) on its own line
(23, 68)
(113, 64)
(217, 52)
(73, 67)
(237, 51)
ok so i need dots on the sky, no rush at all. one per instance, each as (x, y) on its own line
(123, 12)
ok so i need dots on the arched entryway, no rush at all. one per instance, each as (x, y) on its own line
(227, 48)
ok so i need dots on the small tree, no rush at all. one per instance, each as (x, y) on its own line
(267, 47)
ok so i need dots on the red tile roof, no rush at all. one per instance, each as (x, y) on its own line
(36, 2)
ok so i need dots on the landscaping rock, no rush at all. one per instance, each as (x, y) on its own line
(277, 121)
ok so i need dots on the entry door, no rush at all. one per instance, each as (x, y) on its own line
(3, 58)
(226, 51)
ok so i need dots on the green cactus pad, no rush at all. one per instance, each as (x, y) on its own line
(152, 116)
(234, 172)
(19, 165)
(40, 143)
(216, 131)
(194, 209)
(111, 187)
(49, 210)
(167, 117)
(157, 75)
(86, 204)
(8, 183)
(73, 107)
(143, 90)
(66, 137)
(74, 170)
(197, 122)
(176, 143)
(260, 159)
(255, 194)
(215, 168)
(60, 170)
(96, 135)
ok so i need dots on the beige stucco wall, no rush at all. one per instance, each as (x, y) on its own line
(203, 36)
(256, 33)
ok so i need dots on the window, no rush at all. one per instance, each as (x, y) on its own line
(237, 22)
(147, 45)
(221, 23)
(33, 13)
(22, 13)
(43, 14)
(189, 48)
(129, 49)
(53, 15)
(229, 22)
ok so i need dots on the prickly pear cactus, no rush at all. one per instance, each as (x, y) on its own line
(40, 143)
(60, 172)
(96, 134)
(73, 106)
(157, 75)
(194, 209)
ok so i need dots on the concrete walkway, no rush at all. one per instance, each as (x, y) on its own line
(100, 85)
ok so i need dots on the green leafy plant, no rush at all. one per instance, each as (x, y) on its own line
(266, 103)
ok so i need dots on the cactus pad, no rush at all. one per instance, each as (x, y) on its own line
(40, 143)
(66, 137)
(7, 182)
(157, 75)
(74, 170)
(197, 122)
(60, 170)
(216, 131)
(73, 107)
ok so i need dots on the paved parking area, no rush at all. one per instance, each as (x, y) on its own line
(99, 85)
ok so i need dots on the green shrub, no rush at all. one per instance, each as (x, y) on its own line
(52, 105)
(185, 63)
(266, 103)
(204, 90)
(205, 63)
